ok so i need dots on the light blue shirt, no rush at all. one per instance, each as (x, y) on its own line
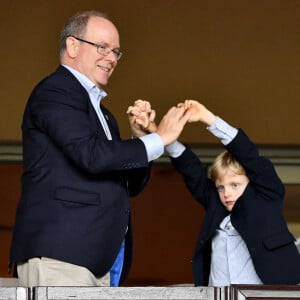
(96, 95)
(231, 262)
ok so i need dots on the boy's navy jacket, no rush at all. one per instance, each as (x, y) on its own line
(257, 215)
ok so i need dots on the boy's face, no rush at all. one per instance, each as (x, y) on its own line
(230, 187)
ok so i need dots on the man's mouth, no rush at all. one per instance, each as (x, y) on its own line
(105, 69)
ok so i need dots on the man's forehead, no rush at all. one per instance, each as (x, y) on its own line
(100, 27)
(95, 21)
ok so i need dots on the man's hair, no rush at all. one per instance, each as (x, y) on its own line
(76, 25)
(224, 162)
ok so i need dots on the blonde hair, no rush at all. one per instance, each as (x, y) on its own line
(224, 162)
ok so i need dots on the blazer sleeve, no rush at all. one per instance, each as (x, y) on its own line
(259, 169)
(59, 109)
(194, 174)
(137, 180)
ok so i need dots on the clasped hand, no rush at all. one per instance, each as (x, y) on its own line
(142, 119)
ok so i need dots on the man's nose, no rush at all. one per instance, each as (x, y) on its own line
(111, 56)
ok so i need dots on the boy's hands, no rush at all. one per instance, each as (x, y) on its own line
(172, 124)
(141, 118)
(198, 112)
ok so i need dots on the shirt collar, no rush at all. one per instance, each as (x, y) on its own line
(90, 87)
(225, 223)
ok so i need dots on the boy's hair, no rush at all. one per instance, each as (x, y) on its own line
(223, 162)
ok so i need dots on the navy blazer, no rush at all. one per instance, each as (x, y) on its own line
(257, 215)
(76, 184)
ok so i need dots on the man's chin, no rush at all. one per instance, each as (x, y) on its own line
(102, 83)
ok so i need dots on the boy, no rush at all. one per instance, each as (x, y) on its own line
(244, 238)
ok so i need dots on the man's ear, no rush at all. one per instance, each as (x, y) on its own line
(72, 46)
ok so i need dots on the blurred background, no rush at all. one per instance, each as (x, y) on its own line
(240, 58)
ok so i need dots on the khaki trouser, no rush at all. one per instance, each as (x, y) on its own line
(46, 271)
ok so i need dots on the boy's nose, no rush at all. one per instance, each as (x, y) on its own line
(226, 192)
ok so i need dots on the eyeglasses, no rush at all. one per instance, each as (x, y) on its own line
(102, 48)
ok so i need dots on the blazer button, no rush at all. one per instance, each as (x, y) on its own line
(127, 210)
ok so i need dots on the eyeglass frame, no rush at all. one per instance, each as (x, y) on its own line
(118, 54)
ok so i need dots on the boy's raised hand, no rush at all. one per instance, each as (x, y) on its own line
(198, 112)
(172, 124)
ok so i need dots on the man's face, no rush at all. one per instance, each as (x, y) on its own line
(97, 67)
(230, 187)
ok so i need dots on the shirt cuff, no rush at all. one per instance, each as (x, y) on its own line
(175, 149)
(222, 130)
(153, 144)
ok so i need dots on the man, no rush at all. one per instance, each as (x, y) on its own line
(73, 221)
